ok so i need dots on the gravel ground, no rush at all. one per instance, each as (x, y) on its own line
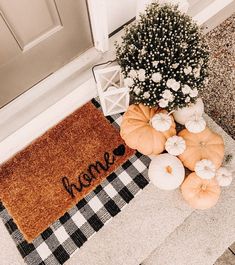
(219, 96)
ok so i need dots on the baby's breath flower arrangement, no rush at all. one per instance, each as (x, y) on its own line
(163, 57)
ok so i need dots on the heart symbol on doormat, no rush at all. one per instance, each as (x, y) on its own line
(120, 150)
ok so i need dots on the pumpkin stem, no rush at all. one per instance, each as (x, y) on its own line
(171, 112)
(203, 187)
(202, 144)
(169, 169)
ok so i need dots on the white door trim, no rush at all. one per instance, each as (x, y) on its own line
(99, 24)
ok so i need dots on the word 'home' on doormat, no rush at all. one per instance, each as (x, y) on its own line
(40, 183)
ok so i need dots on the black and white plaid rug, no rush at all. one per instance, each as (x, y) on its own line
(56, 244)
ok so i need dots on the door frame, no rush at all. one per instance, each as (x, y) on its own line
(99, 24)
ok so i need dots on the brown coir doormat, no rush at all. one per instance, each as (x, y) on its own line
(40, 183)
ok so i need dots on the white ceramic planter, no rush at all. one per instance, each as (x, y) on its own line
(184, 114)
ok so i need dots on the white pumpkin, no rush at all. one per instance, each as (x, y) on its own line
(166, 172)
(224, 176)
(161, 122)
(205, 169)
(195, 124)
(183, 114)
(175, 145)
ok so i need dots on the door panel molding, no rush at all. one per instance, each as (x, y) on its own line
(60, 33)
(42, 38)
(27, 38)
(10, 30)
(9, 47)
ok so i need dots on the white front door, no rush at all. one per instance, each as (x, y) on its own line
(37, 37)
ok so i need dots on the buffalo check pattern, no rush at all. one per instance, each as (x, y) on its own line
(57, 243)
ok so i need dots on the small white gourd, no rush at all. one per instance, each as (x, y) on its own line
(195, 124)
(224, 176)
(161, 122)
(205, 169)
(175, 145)
(166, 172)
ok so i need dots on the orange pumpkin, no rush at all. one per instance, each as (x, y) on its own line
(204, 145)
(138, 133)
(200, 193)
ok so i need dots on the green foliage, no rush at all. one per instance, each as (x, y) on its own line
(163, 57)
(228, 158)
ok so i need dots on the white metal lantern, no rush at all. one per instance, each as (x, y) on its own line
(114, 96)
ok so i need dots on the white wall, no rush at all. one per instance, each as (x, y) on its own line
(119, 12)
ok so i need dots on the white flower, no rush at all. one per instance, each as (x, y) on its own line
(196, 72)
(173, 84)
(163, 103)
(187, 99)
(188, 70)
(141, 74)
(175, 65)
(201, 61)
(156, 77)
(137, 90)
(128, 82)
(143, 51)
(193, 93)
(146, 95)
(184, 45)
(176, 86)
(132, 73)
(132, 46)
(186, 89)
(170, 82)
(142, 78)
(167, 95)
(155, 63)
